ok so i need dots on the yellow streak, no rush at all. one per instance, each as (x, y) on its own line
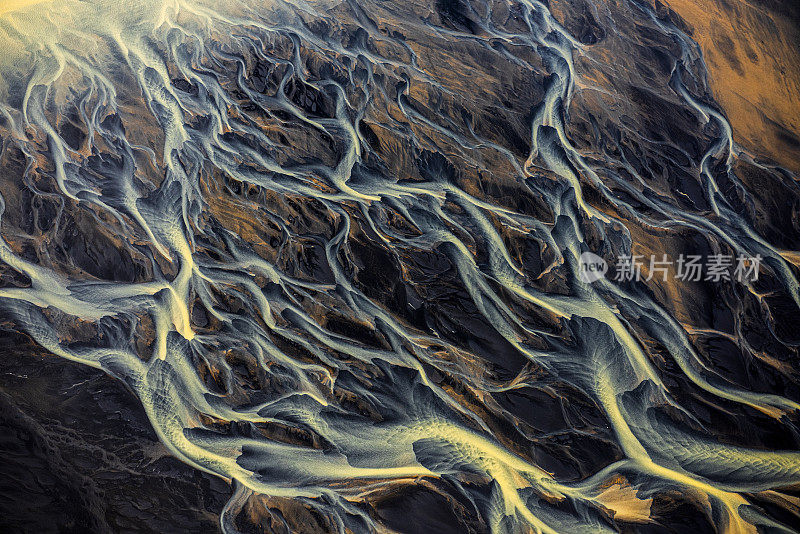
(9, 6)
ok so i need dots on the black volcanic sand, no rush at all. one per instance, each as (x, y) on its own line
(80, 456)
(332, 254)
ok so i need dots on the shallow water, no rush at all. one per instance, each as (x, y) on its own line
(333, 249)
